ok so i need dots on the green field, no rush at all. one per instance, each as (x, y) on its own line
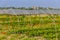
(30, 27)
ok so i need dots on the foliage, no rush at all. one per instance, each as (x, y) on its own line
(18, 25)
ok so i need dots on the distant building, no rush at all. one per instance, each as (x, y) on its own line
(35, 7)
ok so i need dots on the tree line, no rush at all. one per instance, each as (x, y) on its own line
(29, 8)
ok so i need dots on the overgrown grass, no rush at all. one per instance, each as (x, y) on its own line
(27, 27)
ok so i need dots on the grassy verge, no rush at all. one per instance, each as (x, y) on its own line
(29, 27)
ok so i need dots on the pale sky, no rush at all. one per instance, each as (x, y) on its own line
(29, 3)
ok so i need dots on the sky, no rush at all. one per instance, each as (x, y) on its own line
(30, 3)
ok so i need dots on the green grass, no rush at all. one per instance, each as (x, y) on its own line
(27, 27)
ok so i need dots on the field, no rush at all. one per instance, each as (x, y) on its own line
(30, 27)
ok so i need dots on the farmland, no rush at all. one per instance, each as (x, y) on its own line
(30, 27)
